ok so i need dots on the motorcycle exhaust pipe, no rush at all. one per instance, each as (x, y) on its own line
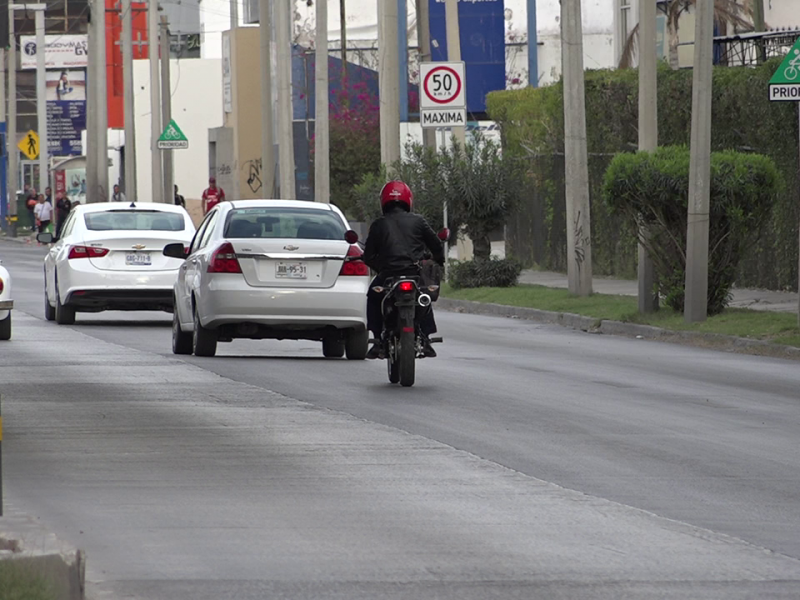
(424, 300)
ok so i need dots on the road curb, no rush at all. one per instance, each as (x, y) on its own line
(16, 240)
(715, 341)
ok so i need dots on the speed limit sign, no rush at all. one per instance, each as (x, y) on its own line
(443, 98)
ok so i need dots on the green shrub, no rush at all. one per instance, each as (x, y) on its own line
(482, 272)
(655, 187)
(19, 582)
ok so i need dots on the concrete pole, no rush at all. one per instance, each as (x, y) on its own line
(155, 102)
(4, 195)
(759, 26)
(454, 51)
(388, 78)
(322, 164)
(579, 242)
(283, 47)
(166, 111)
(234, 14)
(267, 129)
(533, 46)
(798, 265)
(424, 37)
(648, 135)
(696, 307)
(41, 103)
(343, 27)
(13, 151)
(402, 55)
(129, 106)
(93, 107)
(102, 190)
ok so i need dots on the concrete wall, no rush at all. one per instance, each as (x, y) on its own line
(196, 107)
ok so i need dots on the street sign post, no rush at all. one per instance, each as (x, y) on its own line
(784, 86)
(29, 145)
(443, 98)
(173, 138)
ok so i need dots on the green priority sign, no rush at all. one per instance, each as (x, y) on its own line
(173, 138)
(784, 86)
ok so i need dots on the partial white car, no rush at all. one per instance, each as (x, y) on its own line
(272, 269)
(110, 257)
(6, 303)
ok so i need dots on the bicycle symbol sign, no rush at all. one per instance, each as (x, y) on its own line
(173, 138)
(784, 86)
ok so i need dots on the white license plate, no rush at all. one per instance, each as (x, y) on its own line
(291, 270)
(138, 259)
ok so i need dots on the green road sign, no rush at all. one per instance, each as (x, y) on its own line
(785, 83)
(173, 138)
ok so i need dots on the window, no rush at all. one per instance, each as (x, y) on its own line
(134, 220)
(626, 22)
(208, 231)
(68, 225)
(284, 223)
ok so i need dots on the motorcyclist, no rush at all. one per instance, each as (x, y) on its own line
(396, 244)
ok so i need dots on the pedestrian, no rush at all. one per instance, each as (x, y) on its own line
(117, 196)
(48, 195)
(63, 206)
(212, 196)
(44, 213)
(30, 203)
(179, 200)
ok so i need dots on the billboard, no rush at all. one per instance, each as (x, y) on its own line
(61, 51)
(66, 111)
(483, 49)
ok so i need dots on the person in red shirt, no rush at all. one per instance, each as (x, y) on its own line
(212, 196)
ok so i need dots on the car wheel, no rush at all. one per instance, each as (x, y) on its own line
(65, 315)
(204, 341)
(356, 345)
(49, 311)
(333, 348)
(5, 328)
(182, 342)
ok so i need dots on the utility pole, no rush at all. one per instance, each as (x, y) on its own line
(234, 14)
(322, 162)
(648, 136)
(402, 54)
(129, 107)
(759, 26)
(41, 98)
(579, 242)
(155, 102)
(102, 103)
(13, 151)
(7, 148)
(343, 27)
(285, 114)
(94, 105)
(267, 129)
(166, 111)
(454, 51)
(696, 293)
(533, 46)
(424, 37)
(388, 79)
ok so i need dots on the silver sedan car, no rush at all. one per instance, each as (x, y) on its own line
(271, 269)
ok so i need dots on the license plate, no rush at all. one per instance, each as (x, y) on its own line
(138, 259)
(291, 270)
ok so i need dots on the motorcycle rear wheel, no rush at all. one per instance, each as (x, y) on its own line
(407, 358)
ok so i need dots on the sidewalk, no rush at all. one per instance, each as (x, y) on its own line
(742, 298)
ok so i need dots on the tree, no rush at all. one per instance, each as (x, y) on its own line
(736, 13)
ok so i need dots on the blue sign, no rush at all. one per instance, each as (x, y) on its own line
(65, 121)
(483, 46)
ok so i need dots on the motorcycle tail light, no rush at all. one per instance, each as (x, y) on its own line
(406, 286)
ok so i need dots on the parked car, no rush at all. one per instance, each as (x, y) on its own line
(110, 257)
(6, 303)
(272, 269)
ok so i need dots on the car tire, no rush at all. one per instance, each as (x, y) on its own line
(65, 315)
(333, 348)
(356, 345)
(5, 328)
(49, 310)
(204, 341)
(182, 342)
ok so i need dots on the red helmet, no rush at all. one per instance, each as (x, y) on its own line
(397, 191)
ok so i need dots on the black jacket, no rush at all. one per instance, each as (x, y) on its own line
(398, 241)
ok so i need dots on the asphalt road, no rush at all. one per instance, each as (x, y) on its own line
(529, 461)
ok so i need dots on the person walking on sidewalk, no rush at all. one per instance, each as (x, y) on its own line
(212, 196)
(63, 206)
(44, 213)
(117, 196)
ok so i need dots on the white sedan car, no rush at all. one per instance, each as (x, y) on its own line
(272, 269)
(110, 257)
(6, 304)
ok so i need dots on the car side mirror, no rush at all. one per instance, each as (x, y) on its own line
(351, 237)
(176, 250)
(45, 238)
(444, 234)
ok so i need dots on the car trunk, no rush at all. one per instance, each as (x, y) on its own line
(133, 251)
(290, 263)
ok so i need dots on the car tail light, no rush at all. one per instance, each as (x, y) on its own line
(353, 265)
(2, 285)
(406, 286)
(86, 252)
(224, 260)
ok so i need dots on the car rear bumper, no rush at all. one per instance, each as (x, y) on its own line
(88, 289)
(6, 304)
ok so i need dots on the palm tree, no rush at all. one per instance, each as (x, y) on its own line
(737, 13)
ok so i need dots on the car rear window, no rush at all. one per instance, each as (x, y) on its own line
(134, 220)
(284, 223)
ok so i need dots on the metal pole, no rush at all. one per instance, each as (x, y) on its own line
(322, 165)
(129, 106)
(798, 265)
(533, 46)
(454, 51)
(759, 26)
(166, 111)
(579, 244)
(424, 36)
(7, 149)
(696, 299)
(402, 50)
(388, 80)
(648, 135)
(13, 151)
(343, 26)
(283, 47)
(41, 102)
(102, 104)
(155, 103)
(267, 129)
(94, 104)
